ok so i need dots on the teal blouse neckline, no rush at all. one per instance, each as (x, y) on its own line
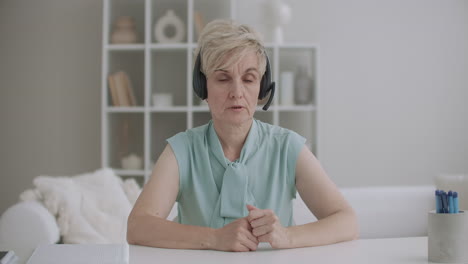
(249, 148)
(234, 194)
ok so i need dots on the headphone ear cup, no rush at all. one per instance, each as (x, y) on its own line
(265, 83)
(199, 80)
(202, 83)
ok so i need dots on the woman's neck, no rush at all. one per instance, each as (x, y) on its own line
(232, 137)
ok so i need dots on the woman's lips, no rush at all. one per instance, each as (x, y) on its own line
(236, 107)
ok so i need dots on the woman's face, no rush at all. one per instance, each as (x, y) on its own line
(233, 93)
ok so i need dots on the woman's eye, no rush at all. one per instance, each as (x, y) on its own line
(248, 81)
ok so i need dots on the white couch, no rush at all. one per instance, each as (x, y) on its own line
(382, 212)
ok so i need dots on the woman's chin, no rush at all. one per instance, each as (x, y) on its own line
(235, 119)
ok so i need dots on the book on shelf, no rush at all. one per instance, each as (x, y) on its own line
(113, 90)
(121, 89)
(8, 257)
(199, 22)
(122, 94)
(129, 89)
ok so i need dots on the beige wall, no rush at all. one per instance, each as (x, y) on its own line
(394, 76)
(50, 55)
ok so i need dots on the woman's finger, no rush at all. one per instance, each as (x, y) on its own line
(265, 220)
(251, 207)
(251, 237)
(262, 230)
(255, 214)
(250, 241)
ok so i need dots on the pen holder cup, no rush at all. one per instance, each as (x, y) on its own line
(448, 237)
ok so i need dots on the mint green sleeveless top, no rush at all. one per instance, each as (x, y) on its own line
(214, 191)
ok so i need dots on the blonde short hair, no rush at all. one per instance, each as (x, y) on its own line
(225, 39)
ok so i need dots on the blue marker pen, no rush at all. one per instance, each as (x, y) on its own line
(450, 202)
(438, 201)
(455, 202)
(444, 202)
(441, 203)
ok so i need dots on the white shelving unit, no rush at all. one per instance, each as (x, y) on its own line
(160, 67)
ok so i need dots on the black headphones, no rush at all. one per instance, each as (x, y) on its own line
(266, 85)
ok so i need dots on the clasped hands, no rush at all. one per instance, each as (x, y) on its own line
(244, 234)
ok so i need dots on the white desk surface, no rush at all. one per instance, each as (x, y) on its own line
(389, 250)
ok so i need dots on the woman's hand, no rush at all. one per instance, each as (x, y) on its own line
(267, 227)
(236, 236)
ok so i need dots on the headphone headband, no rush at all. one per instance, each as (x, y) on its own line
(266, 85)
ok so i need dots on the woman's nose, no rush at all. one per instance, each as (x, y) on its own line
(237, 89)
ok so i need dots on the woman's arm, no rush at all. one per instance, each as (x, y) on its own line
(336, 219)
(147, 224)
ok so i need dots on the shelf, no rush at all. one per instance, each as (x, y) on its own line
(171, 109)
(201, 108)
(172, 46)
(126, 136)
(168, 73)
(131, 62)
(122, 109)
(162, 73)
(117, 47)
(304, 123)
(164, 126)
(210, 10)
(265, 116)
(113, 9)
(201, 118)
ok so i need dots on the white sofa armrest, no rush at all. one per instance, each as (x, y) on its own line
(26, 225)
(383, 212)
(395, 211)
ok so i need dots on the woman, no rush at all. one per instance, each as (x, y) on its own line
(235, 178)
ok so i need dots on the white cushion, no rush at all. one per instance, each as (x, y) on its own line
(90, 207)
(25, 225)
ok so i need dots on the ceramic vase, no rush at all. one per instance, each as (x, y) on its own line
(169, 28)
(303, 87)
(124, 31)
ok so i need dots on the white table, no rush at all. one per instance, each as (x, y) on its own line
(389, 250)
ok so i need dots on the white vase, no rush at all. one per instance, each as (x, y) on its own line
(278, 14)
(166, 22)
(162, 99)
(303, 87)
(132, 162)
